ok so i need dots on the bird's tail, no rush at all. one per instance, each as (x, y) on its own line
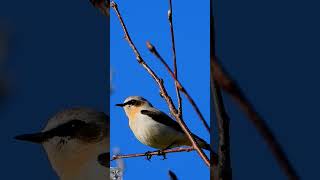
(203, 144)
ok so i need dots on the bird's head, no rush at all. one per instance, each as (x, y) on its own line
(72, 137)
(133, 104)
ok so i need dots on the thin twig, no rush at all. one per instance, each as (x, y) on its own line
(224, 170)
(174, 59)
(172, 175)
(224, 162)
(163, 90)
(154, 51)
(167, 151)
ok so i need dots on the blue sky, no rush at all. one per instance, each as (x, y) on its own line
(147, 21)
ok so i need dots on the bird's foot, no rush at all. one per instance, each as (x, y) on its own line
(162, 153)
(148, 155)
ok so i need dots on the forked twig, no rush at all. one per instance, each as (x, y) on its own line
(154, 51)
(163, 90)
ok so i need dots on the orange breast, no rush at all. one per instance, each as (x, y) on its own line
(133, 113)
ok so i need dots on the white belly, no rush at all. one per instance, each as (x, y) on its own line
(154, 134)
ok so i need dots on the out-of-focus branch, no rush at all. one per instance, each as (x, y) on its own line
(172, 175)
(102, 5)
(154, 51)
(227, 83)
(173, 150)
(163, 90)
(224, 170)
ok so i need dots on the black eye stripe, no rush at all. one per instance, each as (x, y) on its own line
(68, 129)
(133, 102)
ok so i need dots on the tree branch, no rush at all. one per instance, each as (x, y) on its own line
(163, 91)
(224, 163)
(102, 5)
(231, 87)
(224, 170)
(154, 51)
(174, 59)
(167, 151)
(172, 175)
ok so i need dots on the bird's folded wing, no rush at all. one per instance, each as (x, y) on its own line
(162, 118)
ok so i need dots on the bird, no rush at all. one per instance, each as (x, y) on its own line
(155, 128)
(76, 141)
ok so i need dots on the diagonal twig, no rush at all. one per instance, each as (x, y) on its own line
(172, 175)
(154, 51)
(163, 90)
(231, 87)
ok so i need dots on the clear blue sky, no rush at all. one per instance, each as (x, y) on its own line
(147, 20)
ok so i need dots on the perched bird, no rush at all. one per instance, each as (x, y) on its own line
(77, 144)
(155, 128)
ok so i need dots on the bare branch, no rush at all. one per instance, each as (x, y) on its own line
(102, 5)
(224, 163)
(172, 175)
(154, 51)
(224, 170)
(163, 91)
(231, 87)
(167, 151)
(174, 59)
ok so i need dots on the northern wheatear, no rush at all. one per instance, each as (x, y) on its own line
(76, 142)
(155, 128)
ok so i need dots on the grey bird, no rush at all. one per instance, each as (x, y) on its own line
(77, 144)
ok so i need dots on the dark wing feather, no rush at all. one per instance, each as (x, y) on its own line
(166, 120)
(163, 119)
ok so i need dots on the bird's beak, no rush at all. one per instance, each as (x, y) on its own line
(120, 105)
(37, 138)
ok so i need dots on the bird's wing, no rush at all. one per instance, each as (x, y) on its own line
(103, 159)
(162, 118)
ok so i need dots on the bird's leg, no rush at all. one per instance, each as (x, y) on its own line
(148, 155)
(162, 153)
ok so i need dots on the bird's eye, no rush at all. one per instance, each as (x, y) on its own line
(133, 102)
(75, 124)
